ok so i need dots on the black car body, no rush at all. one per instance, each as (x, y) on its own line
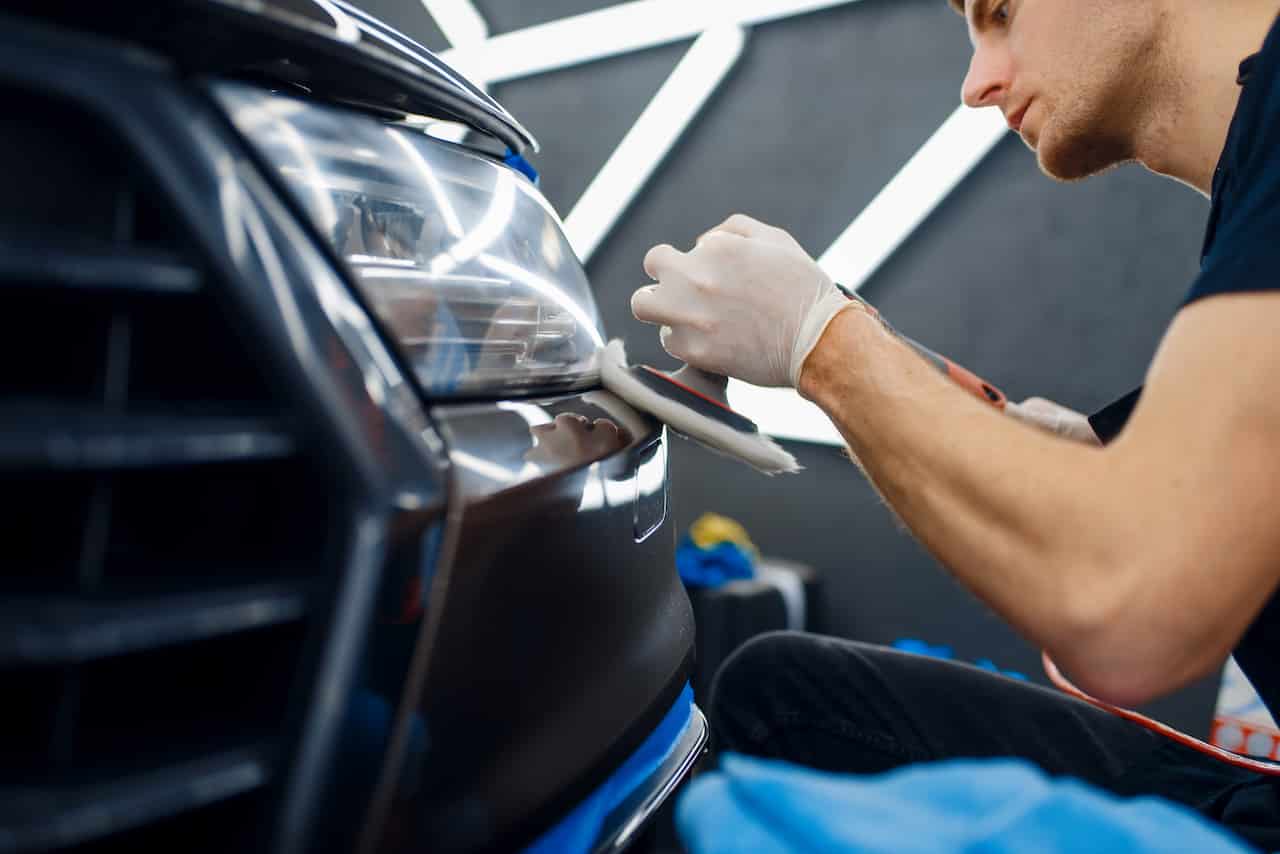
(272, 583)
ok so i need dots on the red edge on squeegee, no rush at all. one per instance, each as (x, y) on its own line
(693, 391)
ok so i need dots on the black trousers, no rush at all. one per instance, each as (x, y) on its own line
(851, 707)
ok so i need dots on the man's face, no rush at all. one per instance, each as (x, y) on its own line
(1071, 76)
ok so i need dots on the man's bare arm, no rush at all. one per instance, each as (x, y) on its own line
(1137, 566)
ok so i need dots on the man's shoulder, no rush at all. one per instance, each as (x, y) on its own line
(1240, 252)
(1257, 121)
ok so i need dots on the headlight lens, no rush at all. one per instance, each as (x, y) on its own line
(461, 257)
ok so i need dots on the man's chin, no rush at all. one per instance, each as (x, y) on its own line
(1054, 168)
(1074, 162)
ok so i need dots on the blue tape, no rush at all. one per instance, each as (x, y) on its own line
(578, 831)
(521, 165)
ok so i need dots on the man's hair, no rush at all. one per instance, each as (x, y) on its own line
(958, 5)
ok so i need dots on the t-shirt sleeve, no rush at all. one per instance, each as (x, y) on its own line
(1246, 250)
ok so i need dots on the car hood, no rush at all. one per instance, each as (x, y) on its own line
(328, 48)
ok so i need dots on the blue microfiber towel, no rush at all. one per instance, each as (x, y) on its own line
(576, 832)
(723, 562)
(957, 807)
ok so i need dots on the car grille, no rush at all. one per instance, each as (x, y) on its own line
(165, 517)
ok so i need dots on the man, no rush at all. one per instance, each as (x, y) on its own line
(1137, 566)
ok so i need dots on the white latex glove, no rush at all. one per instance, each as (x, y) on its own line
(747, 301)
(1055, 418)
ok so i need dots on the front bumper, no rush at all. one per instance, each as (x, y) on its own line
(554, 633)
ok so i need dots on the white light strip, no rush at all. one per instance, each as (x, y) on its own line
(959, 145)
(462, 24)
(459, 21)
(607, 32)
(783, 414)
(672, 110)
(953, 151)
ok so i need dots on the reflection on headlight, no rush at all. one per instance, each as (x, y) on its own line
(460, 257)
(429, 179)
(548, 290)
(495, 221)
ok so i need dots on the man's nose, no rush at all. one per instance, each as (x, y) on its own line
(987, 82)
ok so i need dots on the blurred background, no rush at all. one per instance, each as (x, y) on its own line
(1059, 291)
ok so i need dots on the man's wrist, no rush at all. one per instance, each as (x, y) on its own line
(829, 362)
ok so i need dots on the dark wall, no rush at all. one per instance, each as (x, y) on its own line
(1046, 289)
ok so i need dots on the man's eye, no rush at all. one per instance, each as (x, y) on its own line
(1001, 12)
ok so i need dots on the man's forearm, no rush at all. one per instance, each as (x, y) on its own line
(1010, 510)
(1106, 557)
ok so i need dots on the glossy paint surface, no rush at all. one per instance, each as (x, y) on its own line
(557, 631)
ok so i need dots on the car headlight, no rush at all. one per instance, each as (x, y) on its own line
(460, 256)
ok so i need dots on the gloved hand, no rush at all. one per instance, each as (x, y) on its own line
(747, 301)
(1055, 418)
(993, 806)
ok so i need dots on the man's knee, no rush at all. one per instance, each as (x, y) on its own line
(782, 675)
(753, 667)
(798, 696)
(746, 690)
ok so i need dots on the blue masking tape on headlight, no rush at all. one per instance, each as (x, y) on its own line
(524, 167)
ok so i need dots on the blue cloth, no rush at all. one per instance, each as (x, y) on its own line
(712, 567)
(579, 829)
(992, 806)
(919, 647)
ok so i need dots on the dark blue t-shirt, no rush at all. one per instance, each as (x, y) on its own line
(1241, 249)
(1241, 252)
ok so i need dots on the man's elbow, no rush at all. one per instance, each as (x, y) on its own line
(1121, 684)
(1125, 653)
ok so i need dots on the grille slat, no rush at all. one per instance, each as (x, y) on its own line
(38, 818)
(74, 630)
(173, 521)
(109, 267)
(66, 438)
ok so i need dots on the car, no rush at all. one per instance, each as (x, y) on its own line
(322, 533)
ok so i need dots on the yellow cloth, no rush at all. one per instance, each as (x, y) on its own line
(711, 529)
